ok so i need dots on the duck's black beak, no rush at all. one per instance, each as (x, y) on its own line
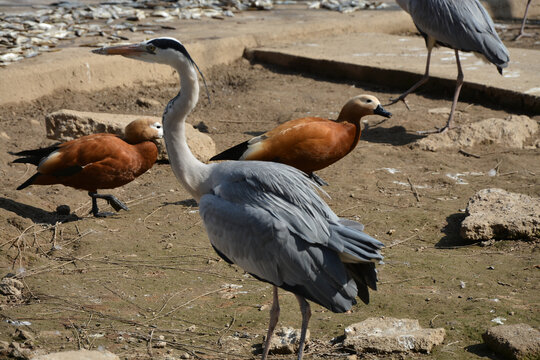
(379, 110)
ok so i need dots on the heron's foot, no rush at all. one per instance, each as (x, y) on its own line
(523, 35)
(401, 98)
(434, 131)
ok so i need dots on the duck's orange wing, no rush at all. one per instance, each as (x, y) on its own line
(308, 144)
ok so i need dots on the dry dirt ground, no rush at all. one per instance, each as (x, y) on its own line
(147, 275)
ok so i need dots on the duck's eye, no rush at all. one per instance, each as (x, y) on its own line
(151, 48)
(368, 101)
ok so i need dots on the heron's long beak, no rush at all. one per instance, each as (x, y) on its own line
(379, 110)
(125, 50)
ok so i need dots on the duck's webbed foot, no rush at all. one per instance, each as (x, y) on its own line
(111, 200)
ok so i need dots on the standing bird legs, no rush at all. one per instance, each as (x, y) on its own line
(425, 77)
(305, 309)
(522, 32)
(111, 199)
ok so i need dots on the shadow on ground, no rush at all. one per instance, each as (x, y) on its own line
(35, 214)
(451, 237)
(482, 351)
(396, 135)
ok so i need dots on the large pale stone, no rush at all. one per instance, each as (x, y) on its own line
(499, 214)
(518, 341)
(512, 132)
(286, 340)
(65, 125)
(387, 335)
(78, 355)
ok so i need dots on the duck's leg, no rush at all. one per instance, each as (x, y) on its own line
(424, 78)
(111, 199)
(274, 316)
(522, 30)
(305, 309)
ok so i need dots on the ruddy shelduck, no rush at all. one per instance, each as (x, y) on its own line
(310, 143)
(97, 161)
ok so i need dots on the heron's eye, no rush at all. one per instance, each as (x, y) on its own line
(151, 48)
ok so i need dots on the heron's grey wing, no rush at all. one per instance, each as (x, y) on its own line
(291, 198)
(264, 247)
(463, 25)
(283, 198)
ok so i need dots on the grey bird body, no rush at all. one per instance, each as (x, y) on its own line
(462, 25)
(268, 219)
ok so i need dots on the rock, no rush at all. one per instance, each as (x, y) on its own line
(160, 344)
(78, 355)
(285, 341)
(21, 334)
(498, 214)
(512, 132)
(65, 125)
(17, 351)
(387, 335)
(518, 341)
(11, 288)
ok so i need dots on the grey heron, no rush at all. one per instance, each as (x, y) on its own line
(462, 25)
(265, 217)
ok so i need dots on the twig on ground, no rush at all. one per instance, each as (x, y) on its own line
(126, 300)
(149, 344)
(461, 151)
(404, 280)
(184, 304)
(401, 241)
(229, 326)
(413, 189)
(147, 216)
(50, 268)
(431, 324)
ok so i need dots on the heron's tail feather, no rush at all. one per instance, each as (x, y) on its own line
(365, 275)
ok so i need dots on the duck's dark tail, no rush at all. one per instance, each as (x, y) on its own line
(34, 156)
(28, 182)
(233, 153)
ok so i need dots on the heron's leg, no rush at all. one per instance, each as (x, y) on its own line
(522, 30)
(459, 83)
(424, 78)
(274, 316)
(111, 199)
(305, 309)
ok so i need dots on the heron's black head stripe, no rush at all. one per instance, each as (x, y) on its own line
(164, 43)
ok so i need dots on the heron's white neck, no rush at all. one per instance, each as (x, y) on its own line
(186, 167)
